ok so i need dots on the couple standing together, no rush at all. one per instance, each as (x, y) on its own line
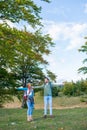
(47, 86)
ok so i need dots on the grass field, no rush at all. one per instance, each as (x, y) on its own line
(65, 119)
(70, 114)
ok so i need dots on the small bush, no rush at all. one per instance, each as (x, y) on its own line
(54, 92)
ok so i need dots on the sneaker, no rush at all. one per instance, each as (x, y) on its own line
(31, 119)
(45, 116)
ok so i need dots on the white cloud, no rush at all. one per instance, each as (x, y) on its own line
(74, 33)
(75, 42)
(62, 60)
(69, 36)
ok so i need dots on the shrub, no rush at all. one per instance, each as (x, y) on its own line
(54, 92)
(75, 89)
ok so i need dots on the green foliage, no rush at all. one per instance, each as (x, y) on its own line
(21, 10)
(7, 86)
(46, 0)
(83, 49)
(68, 89)
(54, 92)
(83, 69)
(51, 75)
(75, 89)
(21, 52)
(21, 55)
(16, 10)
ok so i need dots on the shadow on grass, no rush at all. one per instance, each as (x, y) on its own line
(42, 118)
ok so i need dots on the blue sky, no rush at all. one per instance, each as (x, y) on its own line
(66, 22)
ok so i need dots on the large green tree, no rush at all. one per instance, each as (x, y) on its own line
(21, 52)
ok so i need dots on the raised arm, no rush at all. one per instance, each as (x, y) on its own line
(35, 87)
(54, 85)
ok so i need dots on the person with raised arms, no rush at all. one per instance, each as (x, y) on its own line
(30, 101)
(47, 86)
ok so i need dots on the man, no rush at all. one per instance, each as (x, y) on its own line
(47, 97)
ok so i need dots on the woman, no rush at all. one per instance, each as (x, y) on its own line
(30, 102)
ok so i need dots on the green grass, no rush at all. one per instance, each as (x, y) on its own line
(66, 119)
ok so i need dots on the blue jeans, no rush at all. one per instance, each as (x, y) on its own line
(47, 100)
(30, 108)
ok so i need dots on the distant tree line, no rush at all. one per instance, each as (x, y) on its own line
(75, 89)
